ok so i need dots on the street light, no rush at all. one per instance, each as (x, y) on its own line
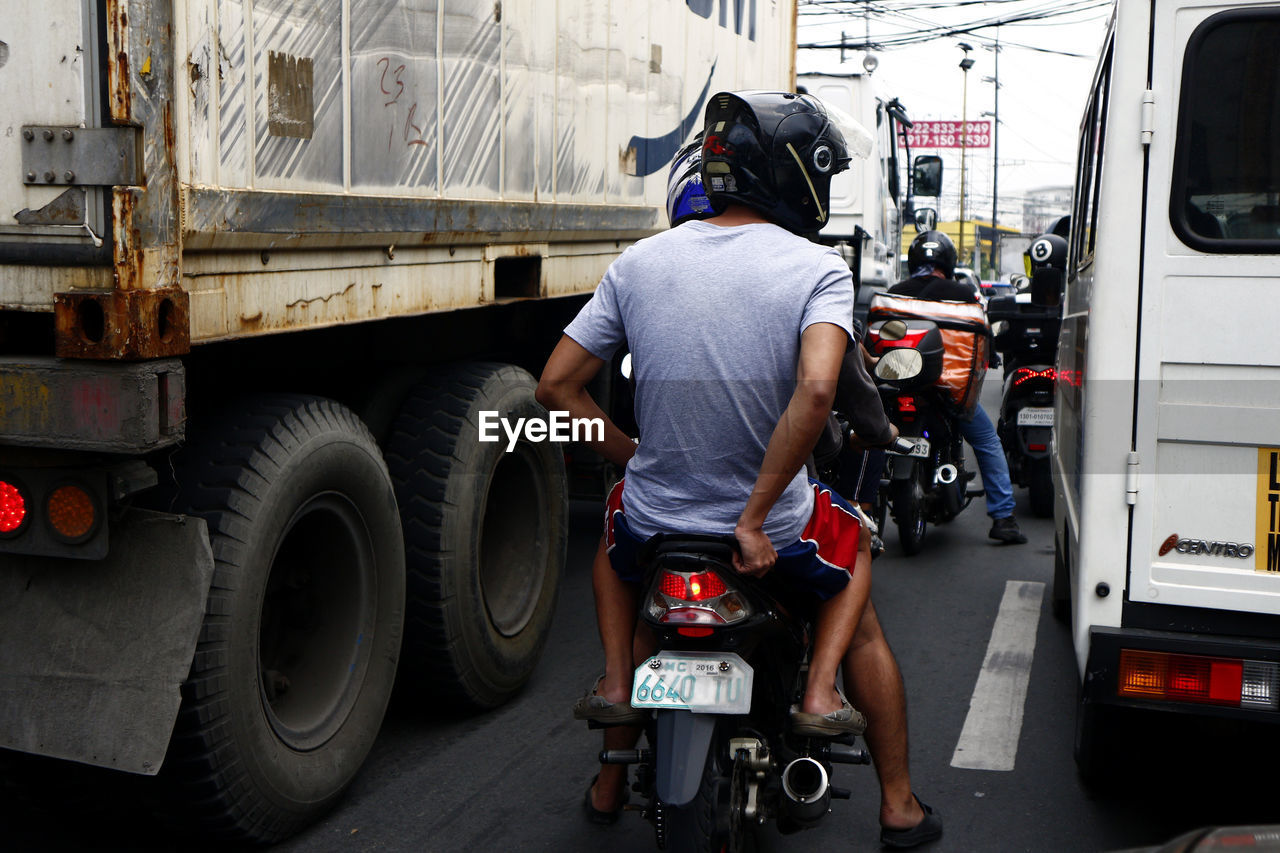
(965, 65)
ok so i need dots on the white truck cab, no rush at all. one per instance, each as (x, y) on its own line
(1166, 456)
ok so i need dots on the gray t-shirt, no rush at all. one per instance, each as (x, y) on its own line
(713, 317)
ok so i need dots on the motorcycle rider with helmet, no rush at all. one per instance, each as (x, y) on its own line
(931, 260)
(737, 326)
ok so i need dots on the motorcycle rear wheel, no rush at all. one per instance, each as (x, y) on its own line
(1041, 489)
(907, 498)
(703, 826)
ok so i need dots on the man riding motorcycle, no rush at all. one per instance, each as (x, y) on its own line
(737, 327)
(931, 260)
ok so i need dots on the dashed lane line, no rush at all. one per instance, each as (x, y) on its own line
(989, 739)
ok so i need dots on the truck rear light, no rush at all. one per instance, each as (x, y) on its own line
(13, 508)
(72, 513)
(1199, 678)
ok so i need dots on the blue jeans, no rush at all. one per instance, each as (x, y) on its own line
(981, 435)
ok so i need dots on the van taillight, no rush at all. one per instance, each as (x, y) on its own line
(1199, 678)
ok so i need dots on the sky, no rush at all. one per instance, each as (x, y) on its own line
(1042, 91)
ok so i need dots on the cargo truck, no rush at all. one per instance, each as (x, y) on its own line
(263, 264)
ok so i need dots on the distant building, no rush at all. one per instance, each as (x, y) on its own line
(1041, 207)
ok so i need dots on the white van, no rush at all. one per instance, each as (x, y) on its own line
(1167, 442)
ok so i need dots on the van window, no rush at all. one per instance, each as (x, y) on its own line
(1089, 170)
(1226, 179)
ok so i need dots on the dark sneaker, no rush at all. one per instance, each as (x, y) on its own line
(1006, 530)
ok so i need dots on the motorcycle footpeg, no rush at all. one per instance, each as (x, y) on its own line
(625, 756)
(975, 493)
(838, 793)
(838, 753)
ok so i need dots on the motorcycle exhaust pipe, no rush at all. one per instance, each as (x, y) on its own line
(945, 475)
(808, 790)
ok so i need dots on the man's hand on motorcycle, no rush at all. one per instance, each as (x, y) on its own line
(857, 443)
(756, 555)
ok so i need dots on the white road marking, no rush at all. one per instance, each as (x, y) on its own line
(989, 740)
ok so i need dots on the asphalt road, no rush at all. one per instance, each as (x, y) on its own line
(513, 779)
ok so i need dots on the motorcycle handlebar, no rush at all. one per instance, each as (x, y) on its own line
(897, 445)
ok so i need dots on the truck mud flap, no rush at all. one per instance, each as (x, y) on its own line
(683, 741)
(93, 653)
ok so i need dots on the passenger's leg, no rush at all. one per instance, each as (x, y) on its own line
(837, 618)
(875, 687)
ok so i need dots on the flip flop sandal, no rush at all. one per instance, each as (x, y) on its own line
(927, 830)
(599, 817)
(597, 709)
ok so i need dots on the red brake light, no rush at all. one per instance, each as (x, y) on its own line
(13, 507)
(906, 404)
(706, 585)
(673, 585)
(1025, 374)
(1182, 678)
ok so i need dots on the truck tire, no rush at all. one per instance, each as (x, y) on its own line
(1041, 488)
(297, 657)
(485, 535)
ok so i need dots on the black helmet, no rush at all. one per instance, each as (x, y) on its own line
(774, 152)
(1047, 250)
(931, 249)
(685, 197)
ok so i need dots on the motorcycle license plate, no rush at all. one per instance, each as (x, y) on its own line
(1035, 417)
(702, 682)
(919, 447)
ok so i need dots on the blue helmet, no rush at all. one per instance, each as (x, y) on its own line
(685, 197)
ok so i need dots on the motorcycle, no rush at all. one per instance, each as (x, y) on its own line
(928, 483)
(732, 658)
(1027, 339)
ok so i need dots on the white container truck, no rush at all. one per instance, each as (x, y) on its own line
(1166, 452)
(867, 200)
(262, 265)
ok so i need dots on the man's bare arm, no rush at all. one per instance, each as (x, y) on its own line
(822, 346)
(563, 388)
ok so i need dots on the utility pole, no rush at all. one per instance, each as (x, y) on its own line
(965, 65)
(995, 161)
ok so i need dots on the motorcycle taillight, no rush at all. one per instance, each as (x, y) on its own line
(694, 598)
(1026, 374)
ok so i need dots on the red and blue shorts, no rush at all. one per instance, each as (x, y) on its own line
(822, 559)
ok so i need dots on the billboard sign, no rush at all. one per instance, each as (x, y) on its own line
(946, 134)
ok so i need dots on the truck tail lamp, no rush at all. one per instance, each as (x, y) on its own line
(53, 512)
(72, 513)
(13, 508)
(1231, 682)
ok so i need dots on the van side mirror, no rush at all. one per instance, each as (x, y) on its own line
(926, 175)
(926, 219)
(1047, 284)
